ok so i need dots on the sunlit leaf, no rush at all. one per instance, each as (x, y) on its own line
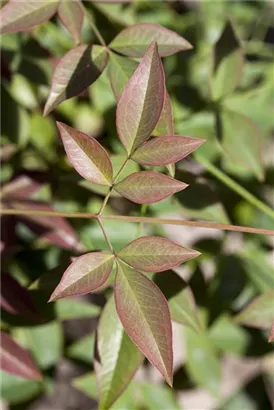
(23, 15)
(133, 41)
(241, 139)
(87, 156)
(78, 69)
(155, 254)
(141, 102)
(147, 187)
(180, 299)
(228, 61)
(118, 357)
(16, 360)
(86, 274)
(165, 150)
(72, 16)
(144, 312)
(259, 313)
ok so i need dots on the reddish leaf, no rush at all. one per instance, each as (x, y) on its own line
(144, 313)
(15, 299)
(133, 41)
(271, 336)
(20, 187)
(141, 102)
(86, 274)
(16, 360)
(155, 254)
(87, 156)
(165, 124)
(117, 356)
(78, 69)
(165, 150)
(23, 15)
(147, 187)
(72, 16)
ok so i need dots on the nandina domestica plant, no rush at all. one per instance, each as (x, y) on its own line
(136, 320)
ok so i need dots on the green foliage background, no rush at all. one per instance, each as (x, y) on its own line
(233, 268)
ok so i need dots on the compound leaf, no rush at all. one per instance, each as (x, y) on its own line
(85, 274)
(78, 69)
(144, 313)
(23, 15)
(72, 16)
(147, 187)
(133, 41)
(155, 254)
(165, 150)
(118, 357)
(86, 155)
(140, 105)
(16, 360)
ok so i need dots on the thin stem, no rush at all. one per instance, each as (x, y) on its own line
(196, 224)
(105, 235)
(235, 186)
(95, 29)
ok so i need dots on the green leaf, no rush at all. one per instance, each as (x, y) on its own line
(21, 16)
(228, 61)
(165, 150)
(165, 125)
(140, 105)
(72, 16)
(180, 299)
(45, 343)
(155, 254)
(145, 315)
(15, 390)
(134, 40)
(158, 397)
(68, 309)
(83, 349)
(202, 363)
(241, 140)
(118, 357)
(120, 70)
(86, 273)
(259, 313)
(78, 69)
(87, 156)
(86, 384)
(147, 187)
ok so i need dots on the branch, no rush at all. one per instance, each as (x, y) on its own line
(162, 221)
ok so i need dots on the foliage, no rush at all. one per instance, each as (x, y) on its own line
(178, 79)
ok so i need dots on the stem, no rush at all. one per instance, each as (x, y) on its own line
(105, 235)
(196, 224)
(105, 201)
(95, 29)
(257, 203)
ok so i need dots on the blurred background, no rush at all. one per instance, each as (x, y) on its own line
(232, 365)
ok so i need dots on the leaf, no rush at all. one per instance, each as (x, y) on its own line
(118, 357)
(15, 299)
(133, 41)
(120, 70)
(78, 69)
(259, 313)
(271, 335)
(83, 349)
(165, 124)
(180, 299)
(21, 16)
(45, 342)
(72, 16)
(144, 313)
(140, 105)
(16, 390)
(165, 150)
(228, 60)
(86, 274)
(16, 360)
(67, 309)
(147, 187)
(202, 364)
(86, 155)
(241, 140)
(155, 254)
(158, 397)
